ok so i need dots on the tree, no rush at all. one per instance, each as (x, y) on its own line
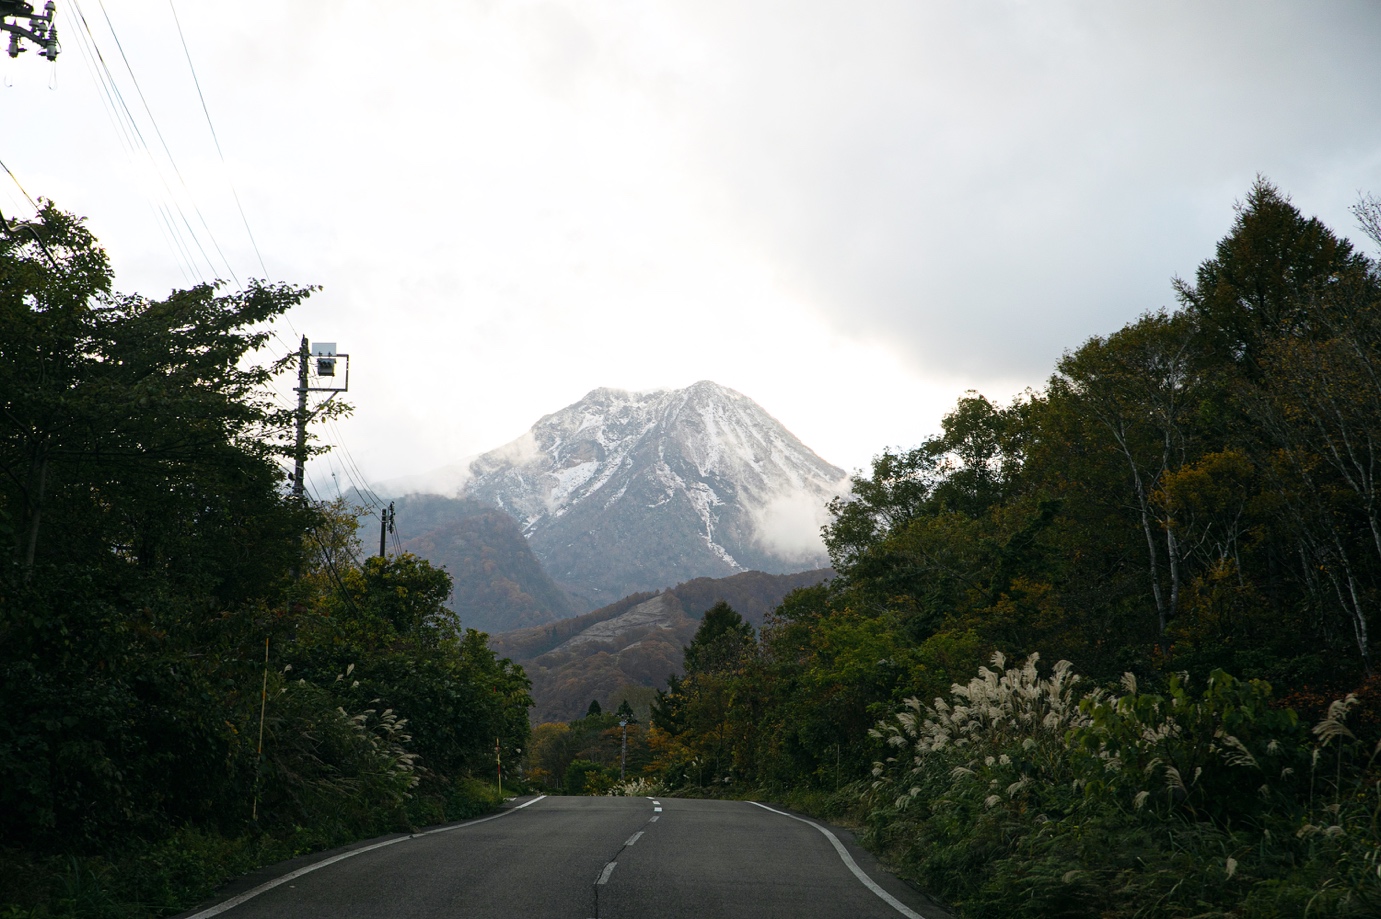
(668, 709)
(146, 523)
(1292, 309)
(1139, 385)
(1260, 283)
(720, 642)
(155, 579)
(1317, 405)
(123, 415)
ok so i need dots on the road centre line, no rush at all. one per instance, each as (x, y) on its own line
(604, 875)
(308, 869)
(652, 820)
(848, 860)
(632, 839)
(656, 810)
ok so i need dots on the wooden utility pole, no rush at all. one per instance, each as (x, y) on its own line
(326, 381)
(300, 449)
(386, 518)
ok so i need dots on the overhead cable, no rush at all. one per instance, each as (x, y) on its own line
(20, 186)
(171, 161)
(135, 138)
(217, 140)
(160, 216)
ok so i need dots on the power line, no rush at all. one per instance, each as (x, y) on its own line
(331, 568)
(171, 161)
(314, 498)
(105, 104)
(363, 489)
(217, 140)
(352, 471)
(130, 127)
(20, 186)
(373, 503)
(127, 144)
(135, 137)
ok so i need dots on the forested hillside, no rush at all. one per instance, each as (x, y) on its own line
(197, 673)
(629, 648)
(1187, 519)
(499, 585)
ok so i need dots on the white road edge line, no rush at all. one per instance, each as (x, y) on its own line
(848, 859)
(604, 875)
(634, 838)
(308, 869)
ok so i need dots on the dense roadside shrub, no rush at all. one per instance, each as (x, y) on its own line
(586, 778)
(1023, 795)
(165, 876)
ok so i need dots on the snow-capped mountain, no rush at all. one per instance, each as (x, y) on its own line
(634, 491)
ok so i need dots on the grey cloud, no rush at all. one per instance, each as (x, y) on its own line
(984, 185)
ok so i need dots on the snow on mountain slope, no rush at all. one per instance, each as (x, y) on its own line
(632, 491)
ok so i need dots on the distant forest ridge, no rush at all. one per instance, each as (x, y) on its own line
(629, 648)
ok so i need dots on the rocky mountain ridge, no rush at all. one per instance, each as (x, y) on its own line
(623, 492)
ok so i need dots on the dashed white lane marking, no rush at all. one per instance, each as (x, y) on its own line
(651, 819)
(655, 802)
(604, 875)
(634, 838)
(308, 869)
(656, 810)
(848, 860)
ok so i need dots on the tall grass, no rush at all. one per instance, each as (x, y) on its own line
(1031, 795)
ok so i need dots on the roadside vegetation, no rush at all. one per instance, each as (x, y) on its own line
(198, 674)
(1108, 649)
(1104, 651)
(597, 754)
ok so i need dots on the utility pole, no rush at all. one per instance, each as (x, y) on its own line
(300, 450)
(325, 380)
(623, 753)
(386, 518)
(41, 30)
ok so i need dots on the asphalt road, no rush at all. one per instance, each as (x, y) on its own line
(589, 858)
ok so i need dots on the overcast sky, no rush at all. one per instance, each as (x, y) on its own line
(850, 212)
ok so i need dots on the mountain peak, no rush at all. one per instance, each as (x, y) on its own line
(624, 491)
(630, 491)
